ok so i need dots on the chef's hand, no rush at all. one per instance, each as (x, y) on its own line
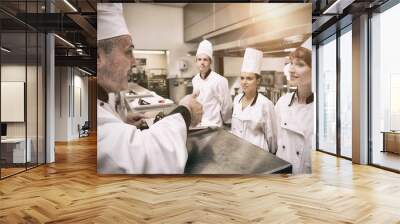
(195, 108)
(135, 118)
(196, 93)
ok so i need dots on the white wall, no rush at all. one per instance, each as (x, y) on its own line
(233, 65)
(12, 73)
(82, 83)
(192, 69)
(154, 60)
(155, 27)
(61, 103)
(68, 80)
(33, 126)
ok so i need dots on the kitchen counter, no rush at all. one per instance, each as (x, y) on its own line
(217, 151)
(150, 111)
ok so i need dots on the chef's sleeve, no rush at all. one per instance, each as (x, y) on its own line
(226, 101)
(270, 128)
(185, 114)
(161, 149)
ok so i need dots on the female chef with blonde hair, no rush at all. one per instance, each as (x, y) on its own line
(295, 114)
(253, 117)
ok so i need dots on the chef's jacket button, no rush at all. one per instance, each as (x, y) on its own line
(285, 124)
(297, 152)
(101, 104)
(283, 147)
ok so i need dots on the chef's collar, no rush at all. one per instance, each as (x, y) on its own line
(111, 98)
(254, 100)
(207, 74)
(309, 99)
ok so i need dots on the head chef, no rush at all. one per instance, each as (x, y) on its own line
(115, 49)
(211, 88)
(119, 143)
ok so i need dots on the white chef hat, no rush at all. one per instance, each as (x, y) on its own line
(205, 47)
(110, 21)
(252, 61)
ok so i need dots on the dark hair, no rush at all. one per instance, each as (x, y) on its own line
(303, 54)
(258, 76)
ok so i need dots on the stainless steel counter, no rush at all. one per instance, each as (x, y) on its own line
(137, 88)
(220, 152)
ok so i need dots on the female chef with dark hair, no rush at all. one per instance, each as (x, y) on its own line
(295, 114)
(253, 116)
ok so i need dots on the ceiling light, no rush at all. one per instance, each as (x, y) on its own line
(71, 6)
(86, 72)
(337, 7)
(79, 44)
(293, 39)
(5, 50)
(289, 49)
(279, 51)
(64, 40)
(148, 52)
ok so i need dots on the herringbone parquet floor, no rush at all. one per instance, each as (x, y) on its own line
(70, 191)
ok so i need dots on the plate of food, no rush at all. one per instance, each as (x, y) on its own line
(134, 94)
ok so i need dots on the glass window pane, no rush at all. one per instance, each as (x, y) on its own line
(41, 99)
(346, 94)
(23, 85)
(385, 84)
(31, 97)
(13, 86)
(327, 96)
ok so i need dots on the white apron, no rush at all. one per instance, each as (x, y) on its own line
(122, 148)
(255, 123)
(215, 98)
(295, 133)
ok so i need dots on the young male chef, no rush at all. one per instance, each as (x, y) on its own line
(212, 89)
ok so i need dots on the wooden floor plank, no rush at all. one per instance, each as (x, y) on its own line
(70, 191)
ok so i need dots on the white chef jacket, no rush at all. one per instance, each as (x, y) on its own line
(256, 123)
(122, 148)
(295, 132)
(215, 98)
